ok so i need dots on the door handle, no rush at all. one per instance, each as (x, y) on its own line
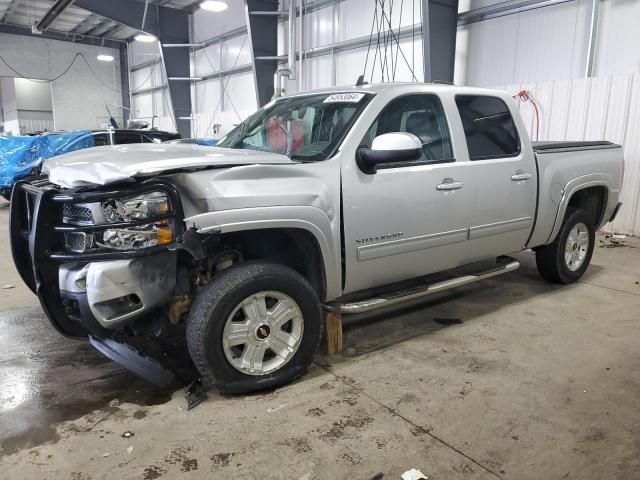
(520, 176)
(449, 184)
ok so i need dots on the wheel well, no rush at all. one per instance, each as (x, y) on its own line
(592, 200)
(296, 248)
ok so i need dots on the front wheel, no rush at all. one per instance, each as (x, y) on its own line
(567, 258)
(254, 326)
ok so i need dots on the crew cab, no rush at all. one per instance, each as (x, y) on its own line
(327, 201)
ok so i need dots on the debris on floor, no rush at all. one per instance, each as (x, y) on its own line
(127, 434)
(130, 450)
(413, 474)
(275, 409)
(614, 241)
(7, 287)
(195, 393)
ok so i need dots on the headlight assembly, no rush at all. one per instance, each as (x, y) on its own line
(134, 209)
(137, 208)
(142, 236)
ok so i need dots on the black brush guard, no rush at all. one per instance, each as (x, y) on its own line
(37, 242)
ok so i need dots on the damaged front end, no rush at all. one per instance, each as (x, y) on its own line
(102, 261)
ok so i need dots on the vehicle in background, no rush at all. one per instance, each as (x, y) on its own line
(22, 156)
(342, 200)
(208, 142)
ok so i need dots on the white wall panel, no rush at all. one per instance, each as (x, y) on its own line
(206, 60)
(140, 52)
(599, 108)
(356, 17)
(548, 43)
(207, 96)
(240, 93)
(143, 78)
(142, 106)
(491, 51)
(236, 48)
(209, 24)
(617, 49)
(318, 28)
(318, 72)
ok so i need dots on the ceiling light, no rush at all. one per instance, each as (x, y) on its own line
(105, 58)
(144, 38)
(214, 5)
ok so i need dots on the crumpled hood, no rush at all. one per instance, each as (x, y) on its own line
(110, 164)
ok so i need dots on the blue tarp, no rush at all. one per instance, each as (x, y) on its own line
(19, 155)
(208, 142)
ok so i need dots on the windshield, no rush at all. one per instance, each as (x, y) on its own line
(308, 128)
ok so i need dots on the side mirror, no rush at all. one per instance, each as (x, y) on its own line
(389, 148)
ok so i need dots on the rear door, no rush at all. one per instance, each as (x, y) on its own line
(408, 219)
(505, 176)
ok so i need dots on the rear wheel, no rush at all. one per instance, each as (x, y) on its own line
(255, 326)
(568, 257)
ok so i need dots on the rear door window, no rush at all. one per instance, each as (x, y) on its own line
(488, 127)
(100, 139)
(127, 137)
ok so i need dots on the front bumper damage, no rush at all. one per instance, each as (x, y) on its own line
(93, 294)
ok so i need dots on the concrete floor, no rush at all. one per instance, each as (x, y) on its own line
(527, 381)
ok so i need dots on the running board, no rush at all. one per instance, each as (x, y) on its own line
(402, 296)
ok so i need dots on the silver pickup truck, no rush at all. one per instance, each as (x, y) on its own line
(328, 201)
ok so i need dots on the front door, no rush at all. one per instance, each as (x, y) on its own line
(408, 219)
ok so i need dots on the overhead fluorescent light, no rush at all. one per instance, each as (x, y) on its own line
(105, 58)
(185, 79)
(214, 5)
(144, 38)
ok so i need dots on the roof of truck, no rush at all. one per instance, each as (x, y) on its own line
(383, 87)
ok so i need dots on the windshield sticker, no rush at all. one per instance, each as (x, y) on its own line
(344, 97)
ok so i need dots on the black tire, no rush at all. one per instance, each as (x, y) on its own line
(550, 259)
(215, 303)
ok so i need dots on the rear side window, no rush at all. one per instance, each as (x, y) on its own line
(488, 127)
(127, 137)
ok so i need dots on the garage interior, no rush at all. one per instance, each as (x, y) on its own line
(511, 377)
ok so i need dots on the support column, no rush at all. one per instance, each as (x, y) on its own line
(439, 27)
(124, 84)
(262, 27)
(168, 25)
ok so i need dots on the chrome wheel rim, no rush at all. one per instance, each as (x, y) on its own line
(263, 333)
(575, 250)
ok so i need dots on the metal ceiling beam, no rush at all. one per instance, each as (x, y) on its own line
(62, 36)
(502, 9)
(114, 30)
(86, 24)
(439, 28)
(53, 13)
(11, 10)
(99, 28)
(169, 26)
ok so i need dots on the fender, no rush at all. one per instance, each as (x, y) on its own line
(312, 219)
(573, 186)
